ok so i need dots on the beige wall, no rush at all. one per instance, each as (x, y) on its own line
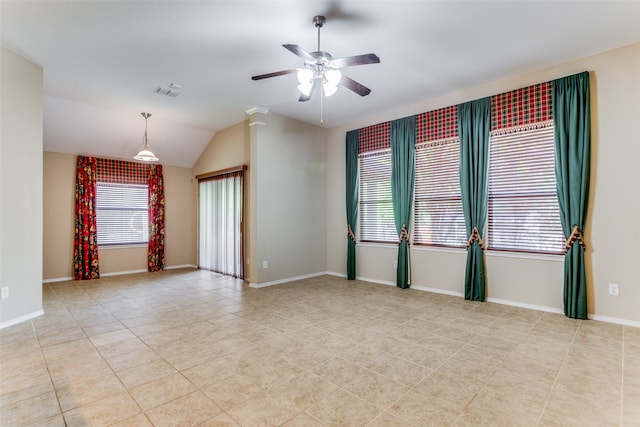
(227, 149)
(58, 215)
(20, 187)
(614, 207)
(285, 192)
(58, 218)
(289, 176)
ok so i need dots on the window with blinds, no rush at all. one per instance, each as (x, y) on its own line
(439, 219)
(523, 205)
(122, 213)
(376, 208)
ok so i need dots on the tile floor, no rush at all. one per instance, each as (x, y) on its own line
(191, 347)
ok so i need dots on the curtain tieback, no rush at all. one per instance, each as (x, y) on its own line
(404, 235)
(475, 236)
(576, 234)
(350, 233)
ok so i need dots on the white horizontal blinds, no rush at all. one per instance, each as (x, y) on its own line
(439, 219)
(376, 208)
(438, 215)
(376, 223)
(122, 214)
(523, 204)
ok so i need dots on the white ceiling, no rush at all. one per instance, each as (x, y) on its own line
(103, 60)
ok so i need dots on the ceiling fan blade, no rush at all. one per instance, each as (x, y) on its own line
(276, 74)
(305, 98)
(368, 58)
(300, 52)
(353, 85)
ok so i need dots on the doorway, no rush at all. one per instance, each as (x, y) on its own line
(220, 222)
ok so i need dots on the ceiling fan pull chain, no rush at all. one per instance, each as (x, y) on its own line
(322, 105)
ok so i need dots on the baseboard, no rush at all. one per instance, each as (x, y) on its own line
(174, 267)
(57, 279)
(438, 291)
(544, 308)
(362, 279)
(118, 273)
(288, 279)
(616, 320)
(21, 319)
(389, 283)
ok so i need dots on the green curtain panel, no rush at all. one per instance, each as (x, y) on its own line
(572, 121)
(474, 122)
(403, 145)
(352, 180)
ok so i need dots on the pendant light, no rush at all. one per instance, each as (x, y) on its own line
(145, 154)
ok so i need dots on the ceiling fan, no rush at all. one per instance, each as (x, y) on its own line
(320, 69)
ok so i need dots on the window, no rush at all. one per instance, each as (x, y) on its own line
(376, 208)
(439, 219)
(122, 213)
(523, 205)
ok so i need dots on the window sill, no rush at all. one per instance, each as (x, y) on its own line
(425, 248)
(525, 255)
(376, 245)
(129, 246)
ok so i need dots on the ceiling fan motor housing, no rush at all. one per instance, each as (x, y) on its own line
(319, 21)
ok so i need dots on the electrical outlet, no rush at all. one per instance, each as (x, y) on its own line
(5, 292)
(614, 289)
(265, 264)
(395, 263)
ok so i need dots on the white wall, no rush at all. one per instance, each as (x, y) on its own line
(288, 163)
(614, 206)
(20, 187)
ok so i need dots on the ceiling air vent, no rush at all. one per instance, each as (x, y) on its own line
(167, 92)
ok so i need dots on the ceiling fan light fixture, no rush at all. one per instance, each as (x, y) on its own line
(145, 154)
(333, 77)
(305, 88)
(305, 76)
(329, 89)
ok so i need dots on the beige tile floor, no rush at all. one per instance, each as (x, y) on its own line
(192, 347)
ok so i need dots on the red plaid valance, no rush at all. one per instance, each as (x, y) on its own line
(521, 107)
(122, 172)
(374, 138)
(437, 125)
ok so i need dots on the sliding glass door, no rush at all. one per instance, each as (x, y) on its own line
(220, 223)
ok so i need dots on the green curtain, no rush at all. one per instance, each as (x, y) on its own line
(474, 123)
(403, 139)
(352, 179)
(572, 122)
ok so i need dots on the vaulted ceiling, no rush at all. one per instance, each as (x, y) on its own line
(104, 60)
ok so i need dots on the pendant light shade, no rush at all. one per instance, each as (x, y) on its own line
(145, 154)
